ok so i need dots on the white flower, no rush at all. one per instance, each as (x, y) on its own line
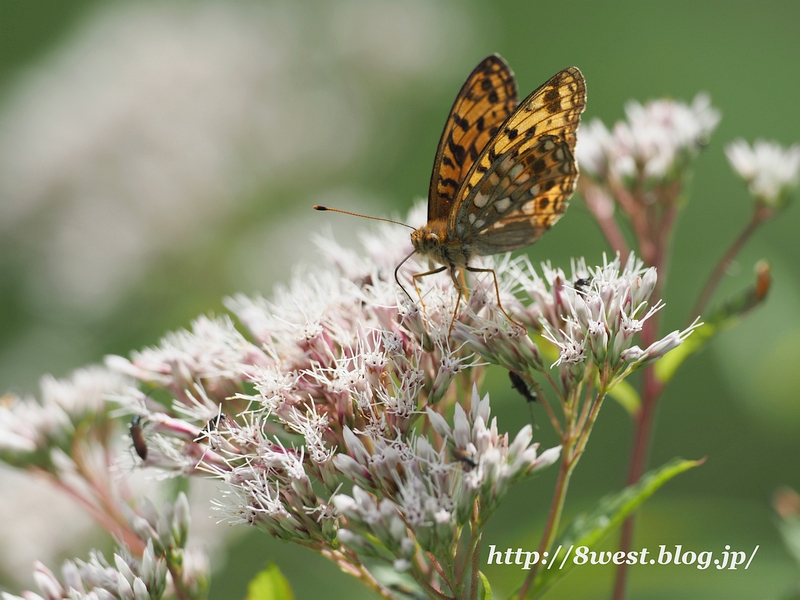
(594, 147)
(657, 140)
(770, 170)
(124, 577)
(27, 425)
(213, 349)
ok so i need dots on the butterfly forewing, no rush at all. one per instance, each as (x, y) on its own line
(520, 184)
(486, 100)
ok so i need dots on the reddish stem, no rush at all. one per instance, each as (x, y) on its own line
(653, 254)
(652, 387)
(106, 521)
(760, 214)
(602, 207)
(640, 451)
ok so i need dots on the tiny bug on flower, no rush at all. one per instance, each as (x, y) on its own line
(518, 383)
(581, 284)
(137, 435)
(462, 457)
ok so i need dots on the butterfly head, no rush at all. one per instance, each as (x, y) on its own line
(432, 241)
(427, 239)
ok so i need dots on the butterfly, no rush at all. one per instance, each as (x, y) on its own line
(503, 172)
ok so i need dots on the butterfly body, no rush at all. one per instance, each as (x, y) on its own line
(503, 171)
(432, 240)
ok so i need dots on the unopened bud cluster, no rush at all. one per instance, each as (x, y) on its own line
(591, 317)
(127, 577)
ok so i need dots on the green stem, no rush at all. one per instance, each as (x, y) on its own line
(556, 508)
(760, 214)
(177, 579)
(476, 555)
(352, 565)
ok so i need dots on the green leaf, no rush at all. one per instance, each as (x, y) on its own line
(486, 592)
(547, 349)
(724, 317)
(269, 584)
(627, 396)
(588, 529)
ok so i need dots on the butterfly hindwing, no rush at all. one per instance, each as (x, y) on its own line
(531, 195)
(520, 184)
(486, 100)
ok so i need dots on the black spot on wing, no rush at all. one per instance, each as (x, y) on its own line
(538, 166)
(447, 182)
(458, 152)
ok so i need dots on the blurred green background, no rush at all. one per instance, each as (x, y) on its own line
(156, 157)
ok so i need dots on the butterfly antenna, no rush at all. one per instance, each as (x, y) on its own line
(352, 214)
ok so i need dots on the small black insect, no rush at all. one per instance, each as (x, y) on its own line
(137, 435)
(212, 426)
(462, 457)
(581, 284)
(518, 383)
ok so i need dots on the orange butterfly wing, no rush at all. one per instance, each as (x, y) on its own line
(520, 184)
(485, 101)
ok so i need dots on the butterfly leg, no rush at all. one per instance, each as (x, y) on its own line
(497, 291)
(425, 274)
(461, 288)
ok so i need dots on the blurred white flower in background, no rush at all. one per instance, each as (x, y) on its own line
(770, 170)
(34, 526)
(657, 139)
(154, 121)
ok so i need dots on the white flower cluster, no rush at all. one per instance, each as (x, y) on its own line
(342, 370)
(434, 493)
(591, 317)
(99, 579)
(346, 381)
(657, 140)
(770, 171)
(30, 427)
(128, 577)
